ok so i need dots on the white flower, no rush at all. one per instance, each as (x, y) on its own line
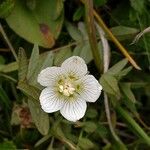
(68, 88)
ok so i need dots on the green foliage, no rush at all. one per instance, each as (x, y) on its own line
(6, 145)
(57, 30)
(26, 88)
(126, 88)
(123, 32)
(40, 118)
(78, 13)
(85, 143)
(23, 65)
(91, 113)
(6, 7)
(99, 3)
(61, 55)
(9, 67)
(33, 62)
(110, 85)
(74, 32)
(138, 5)
(89, 126)
(40, 25)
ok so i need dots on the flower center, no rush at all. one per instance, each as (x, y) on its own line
(66, 88)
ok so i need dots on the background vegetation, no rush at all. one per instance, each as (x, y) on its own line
(36, 34)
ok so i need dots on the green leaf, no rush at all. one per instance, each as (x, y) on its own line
(15, 118)
(9, 67)
(128, 99)
(62, 55)
(26, 89)
(33, 63)
(91, 113)
(86, 53)
(89, 126)
(114, 70)
(102, 131)
(107, 147)
(83, 50)
(57, 7)
(83, 30)
(138, 5)
(31, 4)
(7, 145)
(126, 89)
(124, 72)
(77, 50)
(110, 85)
(39, 117)
(123, 32)
(78, 13)
(23, 65)
(41, 24)
(47, 60)
(74, 32)
(85, 143)
(6, 7)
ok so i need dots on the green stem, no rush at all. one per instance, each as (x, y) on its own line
(92, 34)
(123, 147)
(8, 77)
(131, 122)
(8, 42)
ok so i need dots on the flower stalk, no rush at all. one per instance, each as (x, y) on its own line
(92, 34)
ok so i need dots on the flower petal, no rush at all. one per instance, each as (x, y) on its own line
(91, 88)
(49, 75)
(49, 100)
(73, 110)
(75, 65)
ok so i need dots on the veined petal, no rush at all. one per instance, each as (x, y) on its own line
(74, 110)
(75, 65)
(91, 88)
(49, 75)
(49, 100)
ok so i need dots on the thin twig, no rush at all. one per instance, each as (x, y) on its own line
(8, 42)
(4, 50)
